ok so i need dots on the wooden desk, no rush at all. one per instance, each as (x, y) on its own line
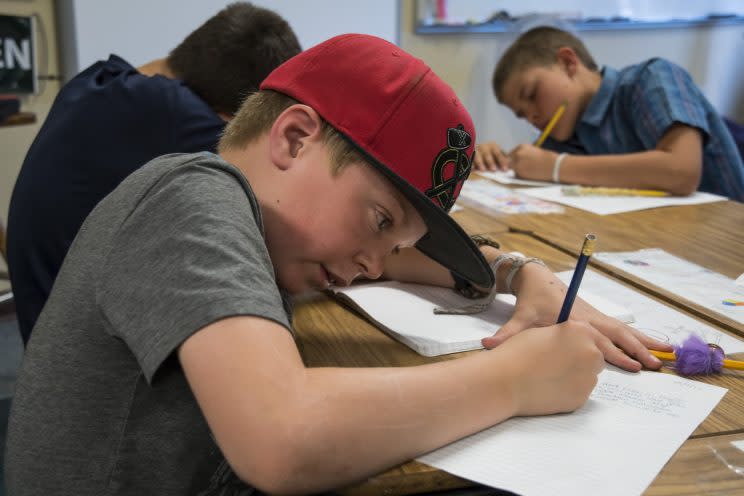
(474, 222)
(710, 235)
(709, 465)
(330, 335)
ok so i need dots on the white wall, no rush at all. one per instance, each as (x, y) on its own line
(712, 56)
(143, 30)
(636, 9)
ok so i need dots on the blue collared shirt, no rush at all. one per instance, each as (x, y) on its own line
(634, 108)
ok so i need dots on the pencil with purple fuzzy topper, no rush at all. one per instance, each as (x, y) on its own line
(696, 357)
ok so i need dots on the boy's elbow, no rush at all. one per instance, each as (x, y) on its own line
(685, 188)
(280, 466)
(686, 179)
(271, 474)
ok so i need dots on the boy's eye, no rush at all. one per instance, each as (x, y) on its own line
(383, 221)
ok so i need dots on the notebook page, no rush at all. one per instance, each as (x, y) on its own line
(407, 310)
(509, 177)
(614, 445)
(605, 205)
(686, 279)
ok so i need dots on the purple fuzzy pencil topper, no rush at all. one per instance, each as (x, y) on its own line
(696, 357)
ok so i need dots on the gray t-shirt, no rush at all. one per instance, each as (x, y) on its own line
(102, 405)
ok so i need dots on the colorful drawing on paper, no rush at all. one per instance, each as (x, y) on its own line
(733, 303)
(492, 198)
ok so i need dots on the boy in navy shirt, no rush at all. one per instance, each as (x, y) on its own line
(112, 118)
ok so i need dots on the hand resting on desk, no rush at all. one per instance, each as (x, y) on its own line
(490, 157)
(527, 161)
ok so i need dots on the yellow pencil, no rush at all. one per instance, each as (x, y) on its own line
(727, 362)
(602, 191)
(551, 124)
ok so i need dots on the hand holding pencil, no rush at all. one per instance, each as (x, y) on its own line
(540, 296)
(490, 156)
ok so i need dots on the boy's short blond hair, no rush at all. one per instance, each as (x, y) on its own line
(537, 48)
(258, 113)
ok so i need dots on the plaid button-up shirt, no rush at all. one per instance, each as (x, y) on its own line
(635, 106)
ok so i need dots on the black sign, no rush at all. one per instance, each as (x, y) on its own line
(17, 68)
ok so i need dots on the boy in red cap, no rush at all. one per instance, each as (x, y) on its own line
(161, 363)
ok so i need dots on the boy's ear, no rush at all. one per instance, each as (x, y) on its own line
(296, 127)
(568, 60)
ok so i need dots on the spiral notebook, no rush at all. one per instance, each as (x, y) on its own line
(405, 311)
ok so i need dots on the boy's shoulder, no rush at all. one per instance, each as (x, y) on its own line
(653, 69)
(182, 182)
(127, 90)
(655, 76)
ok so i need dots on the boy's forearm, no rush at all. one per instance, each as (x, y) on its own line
(376, 418)
(674, 166)
(410, 265)
(285, 428)
(644, 170)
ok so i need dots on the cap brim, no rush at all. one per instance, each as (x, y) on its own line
(445, 241)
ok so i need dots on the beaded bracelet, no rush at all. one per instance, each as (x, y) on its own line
(516, 265)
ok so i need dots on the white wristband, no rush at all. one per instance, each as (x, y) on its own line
(516, 265)
(557, 167)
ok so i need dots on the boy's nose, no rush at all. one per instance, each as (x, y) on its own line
(371, 264)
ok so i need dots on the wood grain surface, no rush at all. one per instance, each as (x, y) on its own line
(330, 335)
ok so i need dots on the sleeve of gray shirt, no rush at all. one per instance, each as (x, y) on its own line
(191, 253)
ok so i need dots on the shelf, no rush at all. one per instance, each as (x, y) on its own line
(19, 119)
(599, 24)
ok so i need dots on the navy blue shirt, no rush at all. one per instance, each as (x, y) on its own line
(636, 106)
(105, 123)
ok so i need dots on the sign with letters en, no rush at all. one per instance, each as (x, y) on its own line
(17, 65)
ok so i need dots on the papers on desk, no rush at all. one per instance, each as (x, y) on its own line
(508, 177)
(614, 445)
(605, 205)
(406, 312)
(738, 444)
(491, 198)
(697, 284)
(653, 318)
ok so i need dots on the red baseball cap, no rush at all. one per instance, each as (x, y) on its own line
(405, 120)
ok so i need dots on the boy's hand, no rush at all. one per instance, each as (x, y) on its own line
(540, 296)
(489, 156)
(552, 369)
(532, 162)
